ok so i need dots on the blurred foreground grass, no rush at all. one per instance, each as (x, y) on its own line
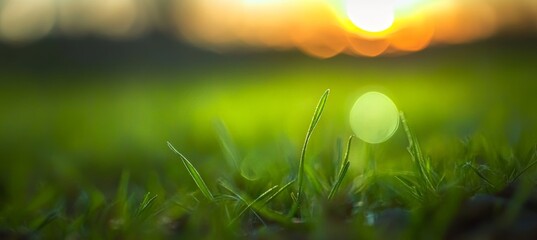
(80, 151)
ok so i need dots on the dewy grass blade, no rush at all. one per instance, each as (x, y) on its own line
(194, 174)
(316, 117)
(342, 170)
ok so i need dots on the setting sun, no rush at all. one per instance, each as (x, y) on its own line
(371, 16)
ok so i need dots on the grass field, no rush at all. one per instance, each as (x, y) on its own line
(85, 153)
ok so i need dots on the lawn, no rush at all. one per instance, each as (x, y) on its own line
(86, 156)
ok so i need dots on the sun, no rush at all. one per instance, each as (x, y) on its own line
(371, 15)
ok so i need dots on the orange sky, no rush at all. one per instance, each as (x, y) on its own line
(323, 28)
(320, 28)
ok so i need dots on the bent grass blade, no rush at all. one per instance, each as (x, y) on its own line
(194, 174)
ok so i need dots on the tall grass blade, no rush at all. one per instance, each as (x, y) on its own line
(339, 154)
(422, 163)
(339, 180)
(316, 116)
(122, 195)
(122, 190)
(342, 170)
(228, 146)
(194, 174)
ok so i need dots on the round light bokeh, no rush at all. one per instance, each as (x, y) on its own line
(374, 117)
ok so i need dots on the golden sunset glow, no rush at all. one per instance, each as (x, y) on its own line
(325, 28)
(320, 28)
(371, 16)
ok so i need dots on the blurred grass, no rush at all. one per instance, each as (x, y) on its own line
(68, 139)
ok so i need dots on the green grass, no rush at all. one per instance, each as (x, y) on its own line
(315, 119)
(90, 161)
(320, 190)
(240, 207)
(419, 188)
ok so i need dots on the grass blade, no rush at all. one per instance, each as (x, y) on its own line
(534, 158)
(194, 174)
(347, 151)
(259, 198)
(342, 170)
(278, 192)
(316, 117)
(146, 203)
(123, 203)
(339, 180)
(479, 174)
(410, 189)
(265, 212)
(228, 146)
(317, 180)
(422, 163)
(122, 190)
(47, 220)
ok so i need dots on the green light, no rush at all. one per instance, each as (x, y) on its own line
(374, 117)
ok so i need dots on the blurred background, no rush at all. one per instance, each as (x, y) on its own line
(92, 88)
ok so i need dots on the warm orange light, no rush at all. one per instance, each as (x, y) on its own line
(325, 28)
(371, 16)
(415, 33)
(320, 28)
